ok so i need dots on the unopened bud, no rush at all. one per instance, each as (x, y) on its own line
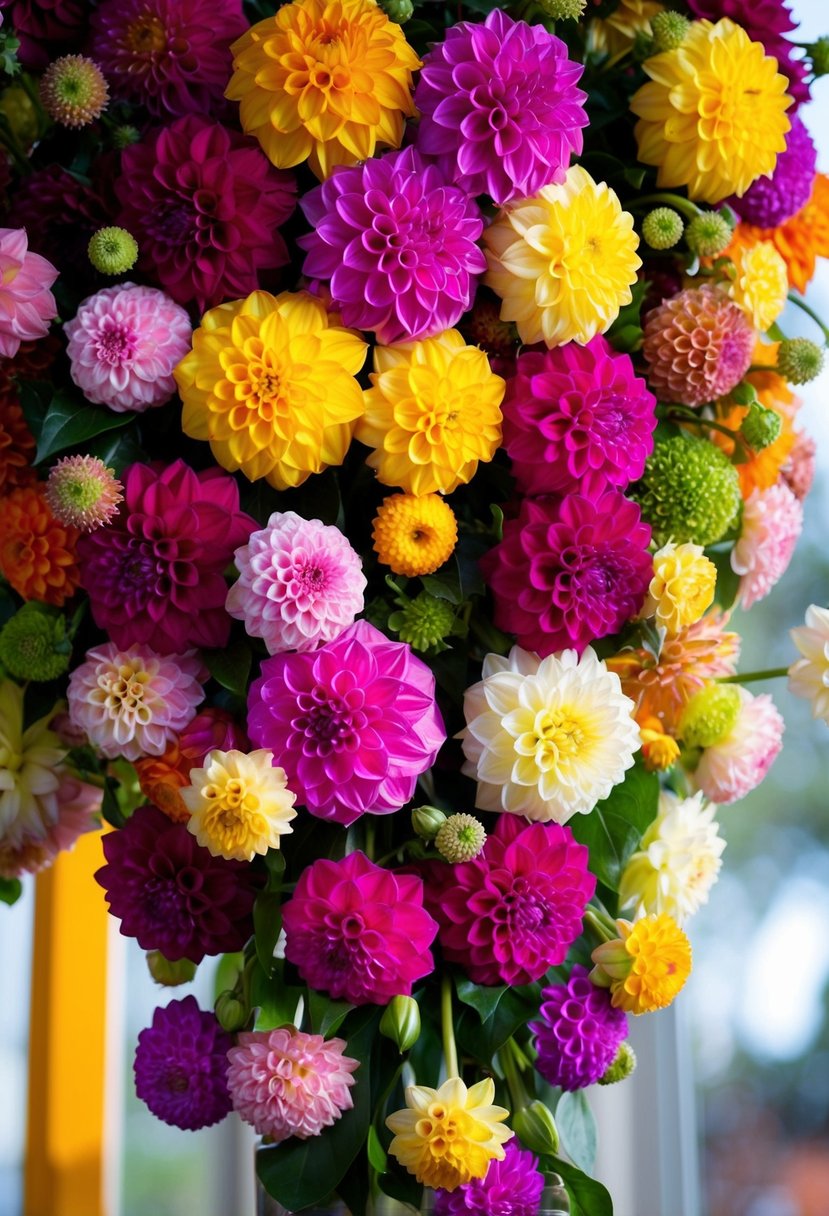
(799, 360)
(623, 1065)
(427, 821)
(167, 973)
(761, 426)
(818, 52)
(535, 1127)
(231, 1013)
(401, 1022)
(562, 10)
(743, 393)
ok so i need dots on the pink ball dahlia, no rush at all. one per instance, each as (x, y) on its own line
(577, 418)
(27, 306)
(155, 574)
(353, 724)
(300, 583)
(772, 523)
(698, 346)
(799, 470)
(737, 764)
(357, 931)
(286, 1083)
(499, 109)
(123, 345)
(204, 205)
(397, 244)
(569, 570)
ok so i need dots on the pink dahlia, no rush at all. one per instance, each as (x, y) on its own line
(737, 764)
(45, 27)
(357, 931)
(569, 570)
(499, 109)
(513, 912)
(772, 523)
(397, 244)
(172, 56)
(577, 418)
(204, 205)
(300, 583)
(78, 807)
(27, 306)
(353, 724)
(799, 470)
(286, 1083)
(123, 345)
(155, 574)
(134, 702)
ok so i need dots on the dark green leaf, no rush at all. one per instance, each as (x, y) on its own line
(276, 1001)
(117, 449)
(587, 1196)
(481, 1039)
(479, 997)
(445, 584)
(275, 865)
(267, 921)
(35, 396)
(68, 424)
(10, 890)
(110, 807)
(404, 1188)
(326, 1015)
(613, 829)
(230, 667)
(227, 972)
(577, 1128)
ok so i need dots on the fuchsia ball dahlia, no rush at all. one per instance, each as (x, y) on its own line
(499, 109)
(578, 1033)
(772, 523)
(511, 1187)
(397, 244)
(737, 764)
(353, 724)
(204, 205)
(155, 575)
(300, 583)
(181, 1066)
(27, 306)
(569, 570)
(577, 418)
(123, 345)
(770, 201)
(286, 1083)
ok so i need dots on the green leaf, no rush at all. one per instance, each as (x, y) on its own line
(445, 584)
(376, 1152)
(728, 582)
(230, 667)
(613, 829)
(482, 1038)
(110, 806)
(404, 1188)
(267, 921)
(587, 1196)
(10, 890)
(68, 424)
(484, 1000)
(577, 1128)
(276, 1001)
(326, 1015)
(227, 972)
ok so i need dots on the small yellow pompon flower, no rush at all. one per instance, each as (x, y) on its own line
(448, 1136)
(646, 966)
(324, 81)
(432, 413)
(414, 535)
(564, 261)
(682, 587)
(659, 750)
(713, 115)
(270, 384)
(239, 804)
(761, 283)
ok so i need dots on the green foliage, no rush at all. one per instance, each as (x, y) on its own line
(577, 1129)
(10, 890)
(613, 829)
(231, 667)
(587, 1196)
(728, 582)
(480, 1037)
(68, 424)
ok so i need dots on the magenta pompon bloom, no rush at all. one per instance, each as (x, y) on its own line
(27, 306)
(155, 574)
(578, 1032)
(357, 931)
(181, 1066)
(577, 418)
(569, 570)
(499, 109)
(511, 1187)
(353, 724)
(397, 243)
(772, 523)
(737, 764)
(770, 201)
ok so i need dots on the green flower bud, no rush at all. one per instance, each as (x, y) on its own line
(231, 1013)
(424, 623)
(113, 250)
(562, 10)
(167, 973)
(710, 715)
(401, 1022)
(427, 821)
(761, 426)
(799, 360)
(397, 10)
(818, 52)
(662, 228)
(125, 135)
(743, 393)
(623, 1065)
(536, 1128)
(669, 30)
(460, 838)
(708, 234)
(690, 492)
(34, 645)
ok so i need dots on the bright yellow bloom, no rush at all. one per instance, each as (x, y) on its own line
(800, 240)
(682, 587)
(414, 535)
(270, 383)
(324, 81)
(239, 804)
(432, 413)
(564, 261)
(659, 751)
(646, 966)
(615, 34)
(448, 1136)
(761, 283)
(713, 115)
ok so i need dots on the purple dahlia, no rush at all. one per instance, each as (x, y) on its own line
(770, 201)
(511, 1187)
(578, 1033)
(181, 1066)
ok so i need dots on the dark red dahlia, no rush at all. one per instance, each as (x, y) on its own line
(60, 214)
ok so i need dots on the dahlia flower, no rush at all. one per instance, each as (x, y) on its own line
(809, 675)
(547, 738)
(34, 645)
(765, 21)
(38, 555)
(799, 470)
(163, 777)
(397, 244)
(44, 25)
(17, 444)
(773, 199)
(737, 764)
(73, 91)
(682, 587)
(761, 283)
(563, 262)
(713, 115)
(323, 81)
(239, 804)
(286, 1083)
(763, 465)
(26, 304)
(510, 1187)
(357, 931)
(113, 250)
(181, 1066)
(155, 574)
(78, 811)
(83, 493)
(578, 1032)
(710, 715)
(354, 724)
(414, 536)
(800, 240)
(499, 109)
(133, 703)
(460, 838)
(270, 383)
(772, 523)
(615, 34)
(300, 583)
(646, 966)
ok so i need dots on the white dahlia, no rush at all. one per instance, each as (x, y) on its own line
(809, 676)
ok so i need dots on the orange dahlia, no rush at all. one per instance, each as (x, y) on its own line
(17, 446)
(801, 240)
(37, 554)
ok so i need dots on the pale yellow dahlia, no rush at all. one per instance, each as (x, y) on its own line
(239, 804)
(761, 283)
(432, 413)
(270, 384)
(324, 81)
(682, 587)
(563, 262)
(713, 115)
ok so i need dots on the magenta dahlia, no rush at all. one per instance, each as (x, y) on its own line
(155, 573)
(510, 1187)
(181, 1066)
(770, 201)
(578, 1032)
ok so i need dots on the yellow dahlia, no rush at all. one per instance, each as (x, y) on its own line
(646, 966)
(800, 240)
(564, 261)
(448, 1136)
(682, 587)
(713, 115)
(615, 34)
(270, 384)
(432, 413)
(239, 804)
(761, 283)
(324, 81)
(414, 535)
(659, 751)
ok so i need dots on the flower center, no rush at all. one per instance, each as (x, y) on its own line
(124, 694)
(555, 736)
(145, 35)
(115, 344)
(176, 1080)
(329, 723)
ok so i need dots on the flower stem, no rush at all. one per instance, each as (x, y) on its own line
(517, 1088)
(683, 205)
(804, 307)
(450, 1050)
(371, 829)
(749, 677)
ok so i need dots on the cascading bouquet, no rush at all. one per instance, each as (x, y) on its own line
(325, 526)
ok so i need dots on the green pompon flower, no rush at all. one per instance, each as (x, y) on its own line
(761, 426)
(562, 10)
(708, 234)
(427, 821)
(623, 1065)
(460, 838)
(73, 91)
(424, 623)
(125, 135)
(113, 250)
(669, 30)
(710, 715)
(690, 492)
(34, 645)
(662, 228)
(800, 360)
(397, 10)
(818, 52)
